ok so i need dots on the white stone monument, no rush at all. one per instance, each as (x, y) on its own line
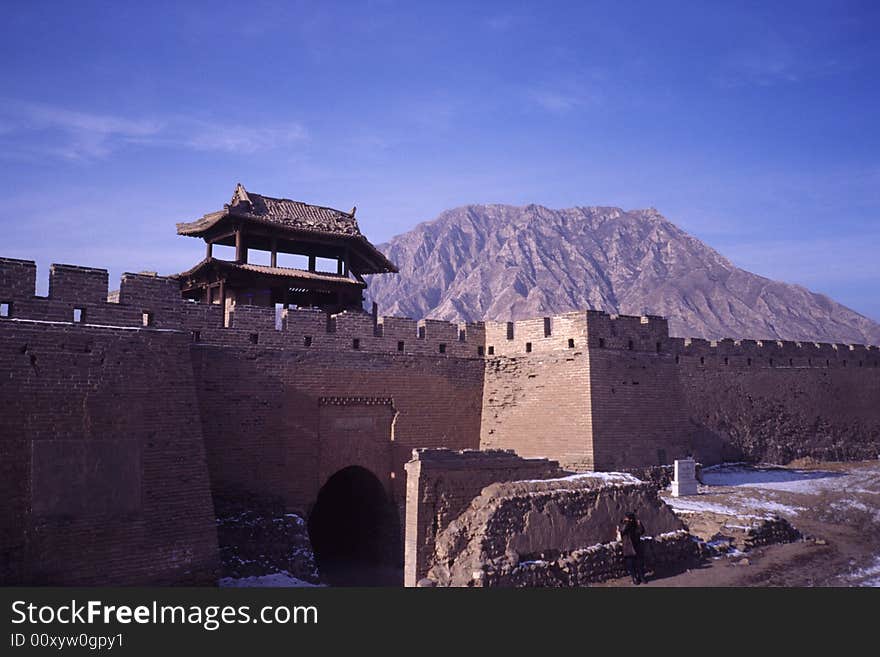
(685, 482)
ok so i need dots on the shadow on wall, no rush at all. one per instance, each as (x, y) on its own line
(355, 531)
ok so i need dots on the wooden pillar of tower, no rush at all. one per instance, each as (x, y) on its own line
(274, 261)
(240, 249)
(223, 301)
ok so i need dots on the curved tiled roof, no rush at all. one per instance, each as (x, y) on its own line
(297, 214)
(298, 218)
(279, 211)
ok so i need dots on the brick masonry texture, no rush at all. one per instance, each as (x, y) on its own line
(124, 416)
(604, 392)
(104, 474)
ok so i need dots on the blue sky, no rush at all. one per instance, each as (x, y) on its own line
(753, 126)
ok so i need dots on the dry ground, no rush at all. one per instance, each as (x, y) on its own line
(835, 505)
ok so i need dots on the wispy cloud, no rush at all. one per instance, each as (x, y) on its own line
(771, 59)
(38, 129)
(230, 138)
(564, 98)
(556, 101)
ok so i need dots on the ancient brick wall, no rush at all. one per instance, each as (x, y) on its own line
(591, 390)
(104, 479)
(777, 401)
(639, 417)
(613, 392)
(266, 407)
(283, 406)
(536, 396)
(141, 392)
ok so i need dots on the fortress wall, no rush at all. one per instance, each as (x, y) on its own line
(541, 335)
(639, 417)
(638, 411)
(104, 478)
(647, 333)
(261, 410)
(780, 401)
(261, 389)
(538, 403)
(540, 406)
(158, 297)
(642, 397)
(260, 384)
(612, 400)
(351, 331)
(156, 373)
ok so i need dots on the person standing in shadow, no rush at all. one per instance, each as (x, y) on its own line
(629, 533)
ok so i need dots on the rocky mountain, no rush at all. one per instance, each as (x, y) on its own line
(502, 262)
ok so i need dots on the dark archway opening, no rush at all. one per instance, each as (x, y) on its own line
(355, 531)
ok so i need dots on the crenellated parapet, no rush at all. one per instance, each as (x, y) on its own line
(146, 301)
(539, 336)
(79, 296)
(772, 353)
(649, 334)
(18, 279)
(590, 329)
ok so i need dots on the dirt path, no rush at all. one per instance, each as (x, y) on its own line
(835, 505)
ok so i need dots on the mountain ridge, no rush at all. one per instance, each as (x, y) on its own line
(503, 262)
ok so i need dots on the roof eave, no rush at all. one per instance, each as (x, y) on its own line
(195, 228)
(294, 273)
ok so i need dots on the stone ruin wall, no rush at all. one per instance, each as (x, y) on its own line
(495, 519)
(440, 484)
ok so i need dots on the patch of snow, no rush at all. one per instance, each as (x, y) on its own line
(775, 507)
(608, 477)
(775, 479)
(673, 534)
(850, 504)
(869, 576)
(807, 482)
(690, 505)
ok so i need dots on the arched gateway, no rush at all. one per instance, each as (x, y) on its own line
(355, 531)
